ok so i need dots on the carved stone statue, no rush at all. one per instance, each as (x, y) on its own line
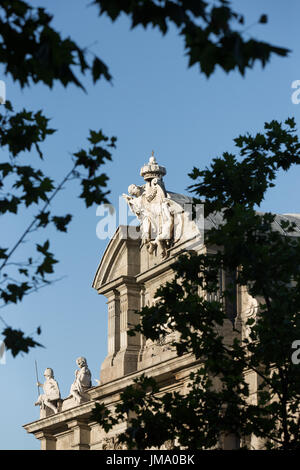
(82, 381)
(135, 202)
(249, 312)
(51, 393)
(153, 208)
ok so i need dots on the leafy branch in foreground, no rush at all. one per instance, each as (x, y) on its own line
(213, 32)
(258, 256)
(24, 186)
(16, 342)
(32, 51)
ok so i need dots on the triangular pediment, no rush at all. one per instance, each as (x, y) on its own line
(121, 258)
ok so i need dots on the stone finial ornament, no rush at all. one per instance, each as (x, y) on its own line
(82, 381)
(152, 169)
(51, 393)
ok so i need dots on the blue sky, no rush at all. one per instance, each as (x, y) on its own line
(155, 102)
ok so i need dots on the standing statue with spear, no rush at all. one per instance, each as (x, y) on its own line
(51, 393)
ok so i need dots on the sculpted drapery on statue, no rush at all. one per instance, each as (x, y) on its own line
(249, 312)
(82, 380)
(51, 398)
(51, 393)
(153, 208)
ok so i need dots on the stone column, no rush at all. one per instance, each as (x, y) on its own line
(48, 441)
(81, 435)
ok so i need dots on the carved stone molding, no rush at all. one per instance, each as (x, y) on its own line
(112, 443)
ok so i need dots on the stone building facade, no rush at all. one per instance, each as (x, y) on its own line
(133, 266)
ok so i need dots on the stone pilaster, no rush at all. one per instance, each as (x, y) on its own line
(113, 341)
(114, 323)
(81, 435)
(123, 349)
(130, 297)
(48, 441)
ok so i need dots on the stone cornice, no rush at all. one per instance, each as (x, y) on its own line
(60, 418)
(116, 283)
(162, 372)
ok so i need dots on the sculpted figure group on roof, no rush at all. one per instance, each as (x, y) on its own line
(153, 208)
(51, 394)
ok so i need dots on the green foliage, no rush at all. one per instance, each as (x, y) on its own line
(253, 250)
(62, 222)
(23, 186)
(208, 29)
(16, 342)
(33, 52)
